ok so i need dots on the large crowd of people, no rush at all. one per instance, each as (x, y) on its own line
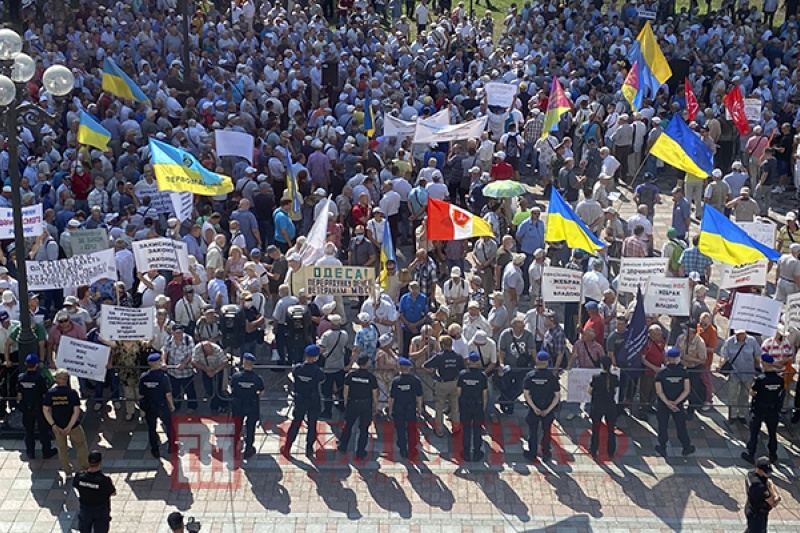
(462, 323)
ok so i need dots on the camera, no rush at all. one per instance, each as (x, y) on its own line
(192, 526)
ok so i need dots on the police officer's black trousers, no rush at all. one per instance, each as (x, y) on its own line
(332, 386)
(597, 414)
(697, 396)
(357, 411)
(756, 521)
(406, 430)
(250, 417)
(771, 418)
(94, 519)
(472, 418)
(663, 414)
(151, 415)
(535, 423)
(30, 419)
(304, 409)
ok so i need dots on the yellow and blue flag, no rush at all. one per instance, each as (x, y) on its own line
(92, 133)
(119, 84)
(632, 89)
(683, 149)
(563, 224)
(291, 183)
(387, 254)
(652, 68)
(724, 241)
(177, 170)
(369, 116)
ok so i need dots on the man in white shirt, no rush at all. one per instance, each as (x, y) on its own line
(594, 282)
(151, 284)
(474, 321)
(640, 219)
(437, 190)
(125, 263)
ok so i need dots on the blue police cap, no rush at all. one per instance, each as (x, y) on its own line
(591, 305)
(405, 362)
(542, 356)
(767, 358)
(673, 353)
(249, 357)
(153, 357)
(474, 357)
(312, 350)
(32, 359)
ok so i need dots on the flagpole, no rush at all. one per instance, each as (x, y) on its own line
(638, 170)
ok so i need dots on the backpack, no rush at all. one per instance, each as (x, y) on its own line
(511, 147)
(678, 247)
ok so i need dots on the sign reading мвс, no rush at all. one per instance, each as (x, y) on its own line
(339, 280)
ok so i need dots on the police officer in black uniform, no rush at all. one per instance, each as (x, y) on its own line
(31, 388)
(447, 364)
(472, 387)
(247, 387)
(762, 496)
(95, 490)
(307, 380)
(603, 391)
(542, 394)
(155, 393)
(360, 404)
(767, 393)
(672, 390)
(405, 407)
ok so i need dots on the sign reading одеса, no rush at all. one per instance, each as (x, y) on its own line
(161, 254)
(83, 359)
(667, 296)
(339, 280)
(751, 274)
(635, 271)
(126, 323)
(754, 313)
(89, 241)
(32, 221)
(73, 272)
(561, 285)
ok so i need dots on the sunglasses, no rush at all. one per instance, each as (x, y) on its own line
(64, 321)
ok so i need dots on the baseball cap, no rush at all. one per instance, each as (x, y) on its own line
(479, 337)
(764, 464)
(312, 350)
(249, 357)
(474, 357)
(153, 357)
(591, 305)
(95, 458)
(767, 358)
(32, 359)
(542, 356)
(404, 362)
(673, 353)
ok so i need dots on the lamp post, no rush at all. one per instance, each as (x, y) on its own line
(16, 70)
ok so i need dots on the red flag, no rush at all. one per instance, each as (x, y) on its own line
(691, 100)
(734, 103)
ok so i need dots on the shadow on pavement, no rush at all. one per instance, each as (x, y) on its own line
(265, 483)
(497, 491)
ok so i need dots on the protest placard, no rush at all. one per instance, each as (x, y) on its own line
(32, 221)
(83, 359)
(89, 241)
(763, 232)
(427, 132)
(667, 296)
(126, 323)
(646, 14)
(744, 275)
(754, 313)
(161, 254)
(561, 285)
(635, 271)
(500, 94)
(792, 316)
(182, 204)
(339, 280)
(578, 380)
(159, 200)
(235, 143)
(73, 272)
(752, 109)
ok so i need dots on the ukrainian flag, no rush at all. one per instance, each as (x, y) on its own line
(652, 54)
(631, 88)
(387, 254)
(724, 241)
(177, 170)
(683, 149)
(291, 183)
(92, 133)
(557, 105)
(369, 116)
(564, 225)
(119, 84)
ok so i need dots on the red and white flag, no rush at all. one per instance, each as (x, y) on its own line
(734, 103)
(447, 222)
(691, 100)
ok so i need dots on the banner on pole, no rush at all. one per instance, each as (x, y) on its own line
(89, 241)
(235, 143)
(427, 132)
(395, 127)
(73, 272)
(756, 314)
(751, 274)
(126, 323)
(561, 285)
(32, 221)
(667, 296)
(635, 271)
(339, 280)
(83, 359)
(161, 254)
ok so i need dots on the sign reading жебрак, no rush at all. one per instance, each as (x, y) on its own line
(339, 280)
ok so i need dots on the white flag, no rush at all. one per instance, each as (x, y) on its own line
(315, 243)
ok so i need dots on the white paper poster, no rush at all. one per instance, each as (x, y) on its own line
(578, 380)
(73, 272)
(159, 200)
(756, 314)
(751, 274)
(161, 254)
(763, 232)
(395, 127)
(561, 285)
(82, 358)
(182, 204)
(752, 109)
(236, 143)
(427, 132)
(89, 241)
(635, 271)
(500, 94)
(792, 316)
(667, 296)
(126, 323)
(32, 221)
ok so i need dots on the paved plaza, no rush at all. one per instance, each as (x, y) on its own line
(635, 492)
